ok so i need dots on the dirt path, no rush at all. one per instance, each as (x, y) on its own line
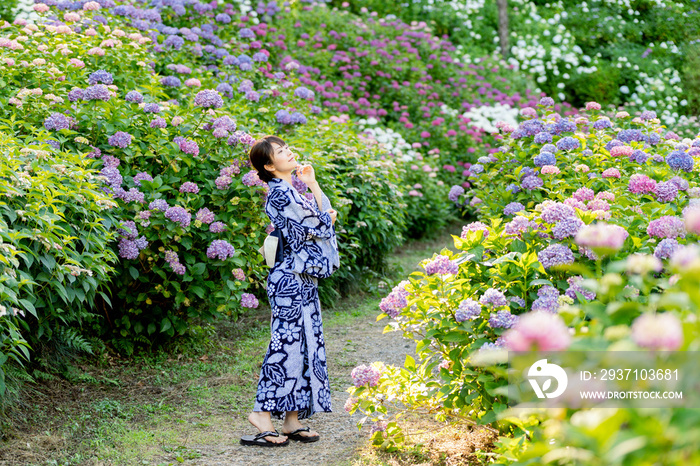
(361, 343)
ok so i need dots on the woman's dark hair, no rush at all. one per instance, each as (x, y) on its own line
(261, 154)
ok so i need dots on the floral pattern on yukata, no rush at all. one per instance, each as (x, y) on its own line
(294, 374)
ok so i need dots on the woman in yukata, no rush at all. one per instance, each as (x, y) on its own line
(294, 376)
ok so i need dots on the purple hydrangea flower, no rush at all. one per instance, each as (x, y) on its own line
(547, 102)
(189, 187)
(575, 287)
(158, 204)
(503, 319)
(57, 121)
(641, 184)
(666, 248)
(208, 98)
(159, 122)
(666, 191)
(178, 214)
(396, 301)
(493, 297)
(543, 138)
(545, 158)
(557, 211)
(679, 160)
(512, 208)
(667, 227)
(556, 254)
(220, 249)
(170, 81)
(568, 143)
(134, 96)
(532, 182)
(365, 375)
(76, 95)
(120, 139)
(205, 215)
(100, 76)
(188, 146)
(97, 92)
(217, 227)
(475, 226)
(567, 228)
(455, 192)
(151, 108)
(249, 300)
(441, 265)
(518, 226)
(468, 310)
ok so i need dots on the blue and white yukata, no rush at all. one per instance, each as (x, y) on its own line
(294, 374)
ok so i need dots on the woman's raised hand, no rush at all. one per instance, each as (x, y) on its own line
(334, 215)
(306, 174)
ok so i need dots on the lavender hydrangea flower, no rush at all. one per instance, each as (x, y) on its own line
(97, 92)
(208, 98)
(205, 215)
(455, 192)
(188, 146)
(641, 184)
(532, 182)
(494, 298)
(217, 227)
(396, 301)
(648, 115)
(159, 122)
(251, 179)
(512, 208)
(158, 204)
(178, 214)
(502, 319)
(365, 375)
(75, 95)
(667, 227)
(475, 226)
(547, 102)
(666, 248)
(120, 139)
(170, 81)
(556, 254)
(567, 228)
(249, 300)
(189, 187)
(543, 138)
(666, 191)
(57, 122)
(129, 249)
(545, 158)
(151, 108)
(441, 265)
(602, 123)
(174, 262)
(518, 226)
(468, 310)
(134, 96)
(220, 249)
(575, 287)
(100, 76)
(568, 143)
(557, 211)
(679, 160)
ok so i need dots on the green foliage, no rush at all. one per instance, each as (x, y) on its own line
(7, 10)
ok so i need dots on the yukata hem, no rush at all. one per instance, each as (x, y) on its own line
(301, 413)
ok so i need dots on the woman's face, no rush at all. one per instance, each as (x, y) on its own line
(283, 160)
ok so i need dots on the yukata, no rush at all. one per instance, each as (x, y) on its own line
(294, 374)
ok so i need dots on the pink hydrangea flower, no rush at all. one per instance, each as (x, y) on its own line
(658, 331)
(692, 220)
(620, 151)
(611, 173)
(550, 170)
(541, 331)
(365, 375)
(593, 106)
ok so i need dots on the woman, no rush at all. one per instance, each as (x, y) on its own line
(294, 376)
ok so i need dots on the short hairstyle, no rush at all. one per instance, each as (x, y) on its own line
(261, 154)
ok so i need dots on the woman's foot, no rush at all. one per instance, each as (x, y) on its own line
(292, 426)
(263, 422)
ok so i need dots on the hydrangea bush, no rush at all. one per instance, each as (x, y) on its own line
(587, 239)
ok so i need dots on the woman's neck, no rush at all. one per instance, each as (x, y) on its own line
(285, 176)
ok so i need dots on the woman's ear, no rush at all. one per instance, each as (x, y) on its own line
(270, 168)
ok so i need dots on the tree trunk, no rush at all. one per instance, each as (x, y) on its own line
(503, 26)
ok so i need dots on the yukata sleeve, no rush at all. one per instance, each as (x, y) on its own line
(298, 222)
(308, 232)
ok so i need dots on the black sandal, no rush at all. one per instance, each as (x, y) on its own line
(301, 438)
(260, 440)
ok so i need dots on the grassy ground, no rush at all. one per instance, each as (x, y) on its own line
(152, 408)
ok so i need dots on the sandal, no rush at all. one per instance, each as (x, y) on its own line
(301, 438)
(261, 441)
